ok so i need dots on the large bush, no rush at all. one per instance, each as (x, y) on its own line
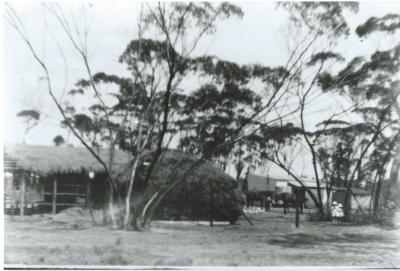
(191, 199)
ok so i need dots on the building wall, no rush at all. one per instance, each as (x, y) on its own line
(34, 190)
(13, 189)
(363, 200)
(282, 187)
(309, 200)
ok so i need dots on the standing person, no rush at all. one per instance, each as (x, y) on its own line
(334, 212)
(285, 205)
(263, 201)
(340, 213)
(268, 204)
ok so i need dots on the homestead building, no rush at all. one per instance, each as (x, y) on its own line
(50, 179)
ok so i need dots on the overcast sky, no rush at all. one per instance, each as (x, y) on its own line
(256, 38)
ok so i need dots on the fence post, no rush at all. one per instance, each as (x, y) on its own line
(54, 203)
(12, 195)
(88, 201)
(211, 204)
(22, 197)
(88, 194)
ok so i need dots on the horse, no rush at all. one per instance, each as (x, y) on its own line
(288, 200)
(253, 196)
(257, 196)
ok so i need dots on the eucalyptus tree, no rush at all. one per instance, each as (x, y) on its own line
(31, 118)
(314, 29)
(389, 25)
(178, 27)
(58, 140)
(213, 113)
(373, 84)
(340, 147)
(321, 20)
(173, 31)
(113, 123)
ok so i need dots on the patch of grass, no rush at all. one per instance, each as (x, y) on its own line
(306, 240)
(297, 240)
(272, 241)
(362, 238)
(179, 261)
(115, 259)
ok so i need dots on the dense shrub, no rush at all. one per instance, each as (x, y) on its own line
(316, 217)
(385, 216)
(192, 201)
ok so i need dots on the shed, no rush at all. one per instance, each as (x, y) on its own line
(49, 177)
(271, 184)
(360, 197)
(311, 184)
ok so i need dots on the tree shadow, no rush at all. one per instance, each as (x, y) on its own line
(307, 240)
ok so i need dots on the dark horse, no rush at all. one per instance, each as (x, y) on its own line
(257, 196)
(289, 200)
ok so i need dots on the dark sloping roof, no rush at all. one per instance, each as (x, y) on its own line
(46, 160)
(260, 183)
(51, 159)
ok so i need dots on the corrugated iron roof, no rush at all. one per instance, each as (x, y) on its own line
(262, 183)
(307, 183)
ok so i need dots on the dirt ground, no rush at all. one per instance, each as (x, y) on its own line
(272, 241)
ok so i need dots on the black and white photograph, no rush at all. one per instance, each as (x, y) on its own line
(201, 135)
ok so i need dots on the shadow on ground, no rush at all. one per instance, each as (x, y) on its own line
(305, 240)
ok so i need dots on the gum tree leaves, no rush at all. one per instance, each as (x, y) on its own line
(388, 23)
(325, 17)
(58, 140)
(32, 115)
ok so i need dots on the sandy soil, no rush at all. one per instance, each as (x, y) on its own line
(272, 241)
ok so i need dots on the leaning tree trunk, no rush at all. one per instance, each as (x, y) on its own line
(393, 186)
(377, 200)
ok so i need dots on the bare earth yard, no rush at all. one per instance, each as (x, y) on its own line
(272, 241)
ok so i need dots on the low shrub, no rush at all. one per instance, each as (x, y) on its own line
(385, 216)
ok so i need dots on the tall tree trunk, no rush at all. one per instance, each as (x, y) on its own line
(377, 195)
(347, 205)
(110, 200)
(211, 204)
(111, 211)
(129, 194)
(134, 221)
(328, 201)
(105, 207)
